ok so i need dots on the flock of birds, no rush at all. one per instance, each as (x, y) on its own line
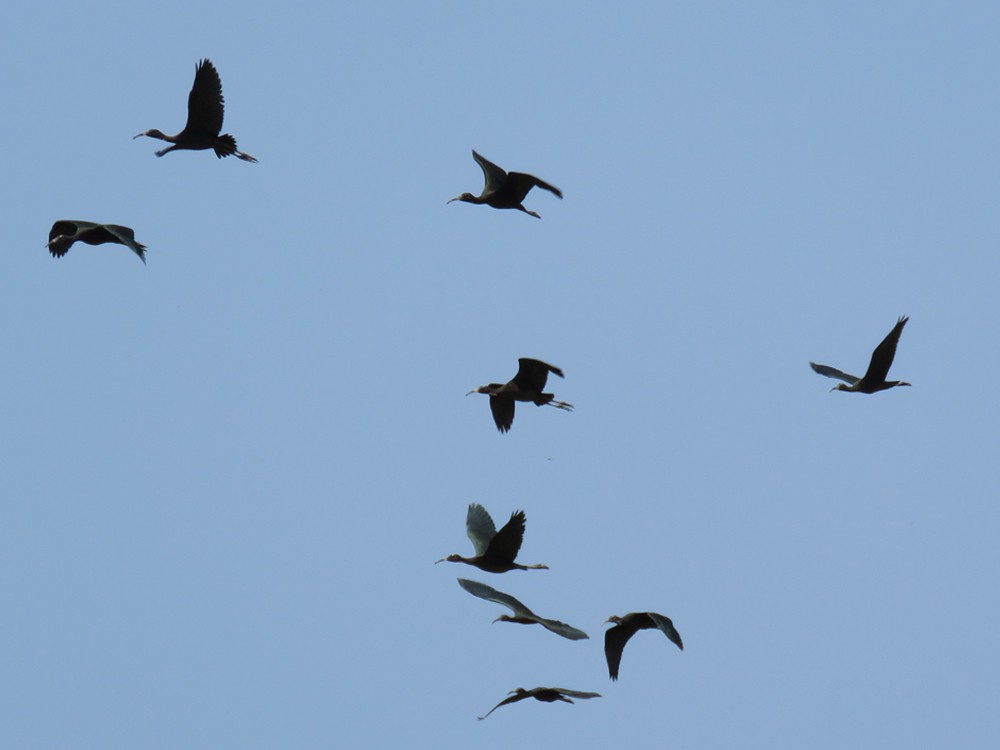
(495, 551)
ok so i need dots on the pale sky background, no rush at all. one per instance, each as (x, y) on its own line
(227, 474)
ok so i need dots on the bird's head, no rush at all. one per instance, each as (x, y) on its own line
(489, 389)
(840, 387)
(503, 618)
(154, 133)
(465, 197)
(519, 691)
(903, 382)
(614, 618)
(449, 558)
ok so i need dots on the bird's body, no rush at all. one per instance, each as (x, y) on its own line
(204, 123)
(526, 386)
(67, 231)
(505, 189)
(522, 614)
(544, 694)
(625, 627)
(495, 551)
(874, 379)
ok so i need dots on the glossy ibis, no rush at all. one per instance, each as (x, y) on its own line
(204, 122)
(527, 385)
(522, 614)
(495, 551)
(67, 231)
(505, 189)
(873, 380)
(625, 627)
(544, 694)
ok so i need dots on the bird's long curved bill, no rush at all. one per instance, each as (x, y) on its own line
(137, 135)
(453, 199)
(441, 560)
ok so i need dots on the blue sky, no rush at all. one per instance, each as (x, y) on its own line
(228, 473)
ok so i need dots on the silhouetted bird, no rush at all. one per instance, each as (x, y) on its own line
(495, 551)
(505, 189)
(522, 614)
(204, 122)
(67, 231)
(527, 385)
(616, 638)
(544, 694)
(873, 380)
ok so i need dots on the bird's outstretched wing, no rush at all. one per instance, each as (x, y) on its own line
(492, 174)
(519, 183)
(205, 102)
(503, 412)
(577, 693)
(126, 236)
(884, 353)
(507, 543)
(833, 372)
(479, 528)
(561, 628)
(532, 374)
(490, 594)
(505, 701)
(614, 643)
(667, 627)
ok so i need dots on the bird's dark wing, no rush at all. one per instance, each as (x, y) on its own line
(614, 643)
(519, 183)
(69, 227)
(833, 372)
(479, 528)
(492, 174)
(126, 236)
(503, 412)
(63, 235)
(665, 625)
(884, 353)
(505, 701)
(561, 628)
(490, 594)
(532, 374)
(507, 543)
(577, 693)
(205, 103)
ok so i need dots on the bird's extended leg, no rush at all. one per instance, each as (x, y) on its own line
(561, 405)
(530, 213)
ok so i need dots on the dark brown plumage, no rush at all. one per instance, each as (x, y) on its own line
(495, 551)
(527, 385)
(544, 694)
(625, 627)
(204, 122)
(873, 380)
(67, 231)
(505, 189)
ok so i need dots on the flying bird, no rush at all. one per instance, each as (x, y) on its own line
(204, 122)
(527, 385)
(67, 231)
(625, 627)
(522, 614)
(505, 189)
(544, 694)
(495, 551)
(873, 380)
